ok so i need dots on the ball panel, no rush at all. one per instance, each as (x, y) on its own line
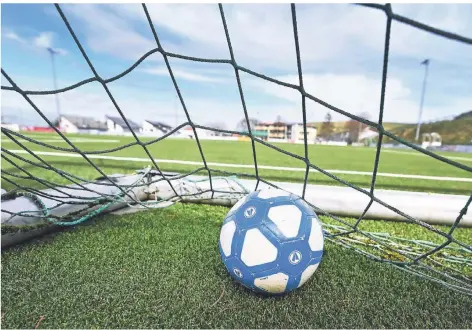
(294, 257)
(307, 273)
(236, 206)
(239, 272)
(226, 237)
(287, 218)
(257, 249)
(275, 283)
(316, 235)
(303, 205)
(251, 213)
(272, 193)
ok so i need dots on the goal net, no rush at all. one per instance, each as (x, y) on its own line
(38, 196)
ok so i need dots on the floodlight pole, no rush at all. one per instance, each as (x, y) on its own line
(52, 52)
(176, 107)
(426, 65)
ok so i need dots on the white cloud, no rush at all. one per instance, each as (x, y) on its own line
(13, 36)
(185, 74)
(341, 49)
(262, 35)
(106, 32)
(42, 41)
(356, 94)
(91, 100)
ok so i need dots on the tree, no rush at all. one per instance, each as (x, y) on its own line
(327, 127)
(217, 125)
(241, 126)
(279, 119)
(354, 127)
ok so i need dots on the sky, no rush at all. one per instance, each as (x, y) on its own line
(341, 48)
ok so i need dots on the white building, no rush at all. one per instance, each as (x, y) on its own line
(367, 133)
(77, 124)
(117, 125)
(155, 128)
(188, 132)
(295, 133)
(11, 127)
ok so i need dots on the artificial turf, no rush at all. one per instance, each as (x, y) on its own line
(161, 269)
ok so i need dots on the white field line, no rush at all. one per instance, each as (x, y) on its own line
(420, 154)
(276, 168)
(63, 141)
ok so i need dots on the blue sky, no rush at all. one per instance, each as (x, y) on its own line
(341, 49)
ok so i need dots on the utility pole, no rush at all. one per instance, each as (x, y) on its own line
(52, 52)
(426, 65)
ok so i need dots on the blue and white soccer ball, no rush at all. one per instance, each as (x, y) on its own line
(271, 241)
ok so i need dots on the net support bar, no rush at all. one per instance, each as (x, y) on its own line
(340, 201)
(344, 201)
(27, 212)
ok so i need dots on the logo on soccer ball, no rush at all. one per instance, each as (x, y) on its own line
(295, 257)
(237, 272)
(250, 212)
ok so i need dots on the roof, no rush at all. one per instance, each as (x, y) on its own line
(122, 123)
(86, 122)
(159, 125)
(301, 124)
(283, 124)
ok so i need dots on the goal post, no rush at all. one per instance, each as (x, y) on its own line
(41, 195)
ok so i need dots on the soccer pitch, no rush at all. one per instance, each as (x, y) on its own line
(162, 268)
(274, 165)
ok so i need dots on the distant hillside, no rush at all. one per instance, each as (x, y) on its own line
(454, 131)
(339, 126)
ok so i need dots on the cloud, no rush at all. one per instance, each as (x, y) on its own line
(13, 36)
(107, 33)
(136, 104)
(356, 94)
(262, 35)
(185, 74)
(42, 40)
(341, 50)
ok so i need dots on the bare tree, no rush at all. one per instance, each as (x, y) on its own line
(217, 125)
(279, 119)
(241, 126)
(327, 127)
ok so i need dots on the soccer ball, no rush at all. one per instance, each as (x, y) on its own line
(271, 241)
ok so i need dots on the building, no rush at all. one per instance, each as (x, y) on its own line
(260, 134)
(118, 125)
(77, 124)
(150, 127)
(11, 127)
(368, 136)
(293, 132)
(296, 133)
(339, 137)
(188, 132)
(277, 130)
(431, 140)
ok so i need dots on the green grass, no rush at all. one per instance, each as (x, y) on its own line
(162, 269)
(238, 152)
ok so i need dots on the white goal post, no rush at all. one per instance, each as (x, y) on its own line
(339, 201)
